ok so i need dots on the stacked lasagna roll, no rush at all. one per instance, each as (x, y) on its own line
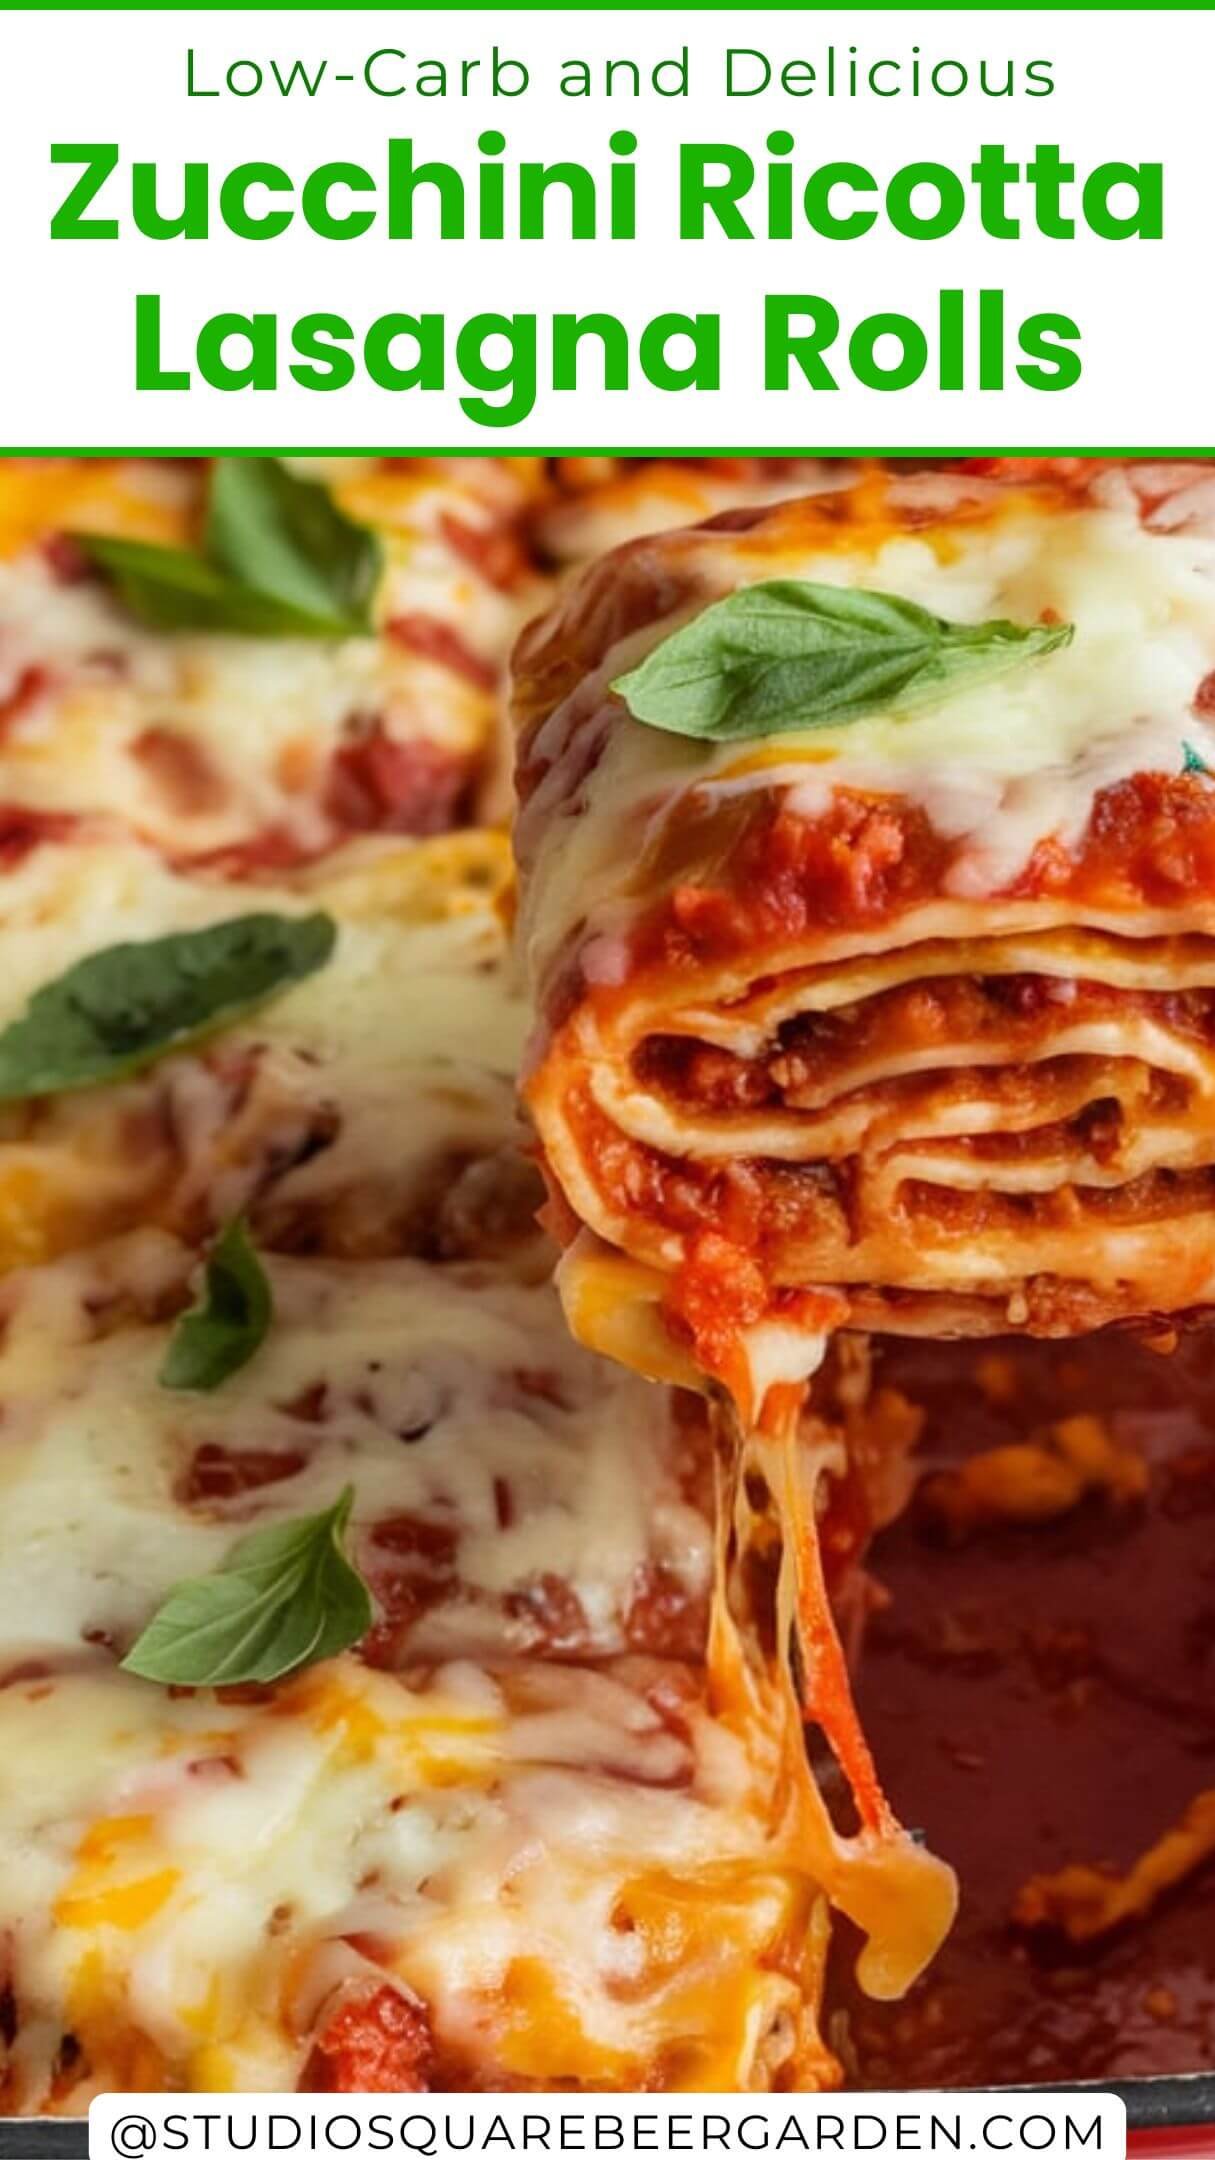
(867, 899)
(868, 854)
(375, 1713)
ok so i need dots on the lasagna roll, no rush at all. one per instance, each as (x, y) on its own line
(597, 503)
(867, 851)
(247, 740)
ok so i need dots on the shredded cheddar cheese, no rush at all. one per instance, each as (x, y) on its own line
(1084, 1903)
(1035, 1481)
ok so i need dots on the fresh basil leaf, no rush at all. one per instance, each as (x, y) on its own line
(284, 1597)
(784, 655)
(117, 1010)
(279, 560)
(220, 1334)
(285, 539)
(1193, 762)
(173, 590)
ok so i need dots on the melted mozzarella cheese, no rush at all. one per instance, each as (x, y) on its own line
(448, 1395)
(209, 1870)
(583, 1875)
(414, 1006)
(201, 742)
(632, 500)
(997, 768)
(405, 910)
(242, 729)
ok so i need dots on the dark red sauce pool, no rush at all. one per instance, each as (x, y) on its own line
(1042, 1696)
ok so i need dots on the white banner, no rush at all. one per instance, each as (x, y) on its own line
(522, 2126)
(516, 229)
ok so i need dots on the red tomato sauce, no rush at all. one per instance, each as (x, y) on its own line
(374, 2042)
(1149, 842)
(1042, 1696)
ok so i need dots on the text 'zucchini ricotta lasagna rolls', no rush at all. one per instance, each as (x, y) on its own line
(868, 889)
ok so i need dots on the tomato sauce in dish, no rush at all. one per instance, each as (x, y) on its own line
(1041, 1696)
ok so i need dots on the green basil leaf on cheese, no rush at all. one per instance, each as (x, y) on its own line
(286, 540)
(170, 589)
(285, 1596)
(221, 1332)
(787, 655)
(279, 559)
(117, 1010)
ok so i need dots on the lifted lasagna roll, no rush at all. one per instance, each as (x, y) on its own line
(868, 895)
(598, 503)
